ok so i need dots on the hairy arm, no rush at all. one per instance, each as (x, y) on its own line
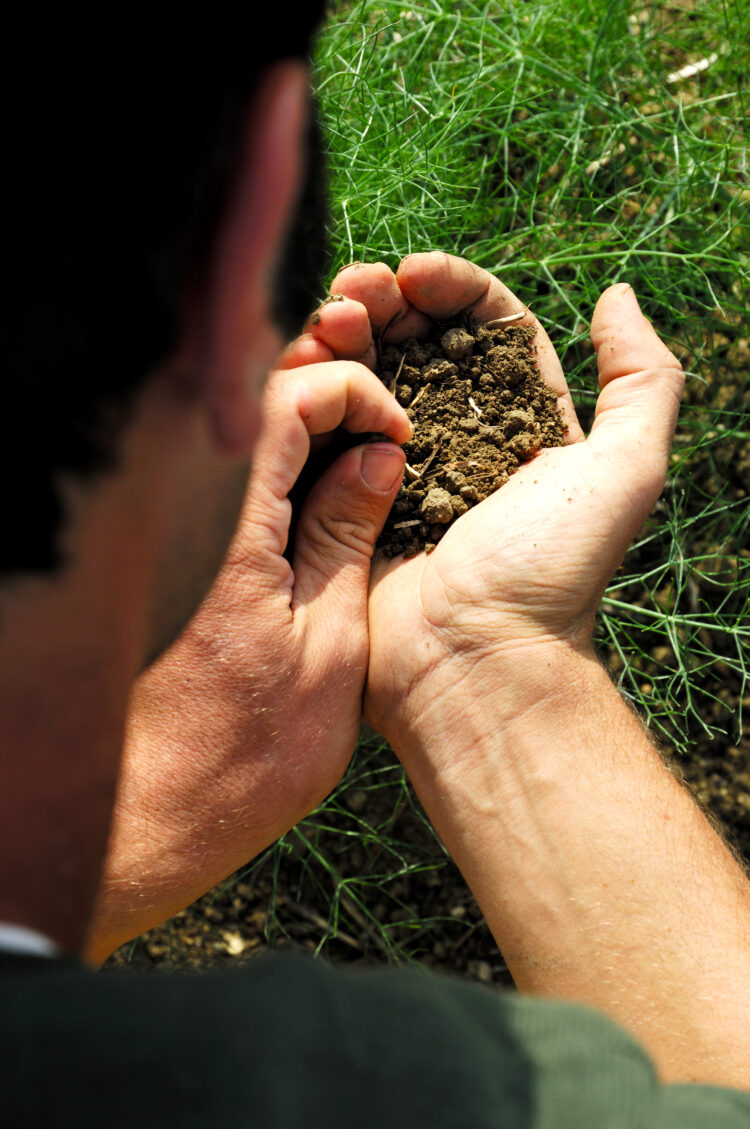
(599, 876)
(250, 718)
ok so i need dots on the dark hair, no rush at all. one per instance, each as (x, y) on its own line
(119, 146)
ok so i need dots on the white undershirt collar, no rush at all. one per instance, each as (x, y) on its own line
(19, 939)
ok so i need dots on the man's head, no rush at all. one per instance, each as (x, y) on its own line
(120, 161)
(150, 190)
(150, 179)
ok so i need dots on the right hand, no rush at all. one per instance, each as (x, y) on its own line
(251, 716)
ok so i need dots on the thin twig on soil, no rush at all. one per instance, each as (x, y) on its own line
(498, 323)
(394, 382)
(367, 927)
(429, 460)
(484, 474)
(436, 448)
(320, 922)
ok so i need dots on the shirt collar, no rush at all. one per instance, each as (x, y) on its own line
(19, 939)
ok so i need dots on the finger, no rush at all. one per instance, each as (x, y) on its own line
(336, 536)
(298, 405)
(349, 395)
(374, 285)
(625, 341)
(343, 326)
(310, 401)
(442, 286)
(307, 349)
(642, 384)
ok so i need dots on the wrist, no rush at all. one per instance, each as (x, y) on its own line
(574, 836)
(471, 699)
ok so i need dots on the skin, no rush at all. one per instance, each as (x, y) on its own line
(524, 756)
(251, 718)
(488, 691)
(599, 877)
(144, 543)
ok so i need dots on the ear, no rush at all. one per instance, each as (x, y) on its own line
(240, 342)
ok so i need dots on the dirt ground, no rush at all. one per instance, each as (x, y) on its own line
(422, 913)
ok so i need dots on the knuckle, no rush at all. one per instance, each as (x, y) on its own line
(328, 534)
(357, 372)
(277, 389)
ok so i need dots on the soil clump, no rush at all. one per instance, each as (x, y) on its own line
(479, 409)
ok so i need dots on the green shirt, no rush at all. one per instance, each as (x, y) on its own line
(289, 1042)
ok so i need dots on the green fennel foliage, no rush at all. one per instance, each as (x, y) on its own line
(565, 154)
(563, 148)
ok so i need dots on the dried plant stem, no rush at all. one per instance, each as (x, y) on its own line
(394, 382)
(498, 323)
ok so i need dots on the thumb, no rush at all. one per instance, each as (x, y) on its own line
(641, 385)
(339, 525)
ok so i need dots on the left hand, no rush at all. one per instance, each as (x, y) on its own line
(518, 578)
(250, 718)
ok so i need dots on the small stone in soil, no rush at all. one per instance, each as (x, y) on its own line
(479, 409)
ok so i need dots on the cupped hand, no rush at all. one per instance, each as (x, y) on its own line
(250, 718)
(528, 566)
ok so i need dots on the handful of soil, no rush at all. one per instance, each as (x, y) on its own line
(479, 409)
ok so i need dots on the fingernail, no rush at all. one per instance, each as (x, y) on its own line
(382, 467)
(628, 294)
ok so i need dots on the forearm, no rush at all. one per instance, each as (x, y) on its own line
(599, 877)
(200, 792)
